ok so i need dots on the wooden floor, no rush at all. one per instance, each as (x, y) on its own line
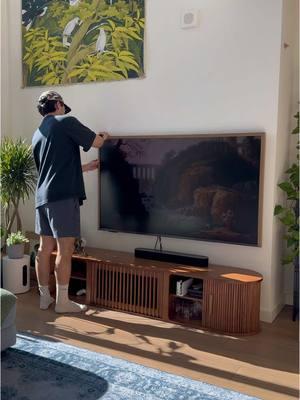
(264, 365)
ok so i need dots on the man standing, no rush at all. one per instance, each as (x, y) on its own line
(59, 193)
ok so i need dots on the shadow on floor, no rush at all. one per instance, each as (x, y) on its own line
(28, 376)
(276, 352)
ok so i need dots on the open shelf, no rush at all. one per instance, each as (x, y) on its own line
(187, 298)
(186, 286)
(78, 276)
(184, 310)
(78, 279)
(183, 306)
(76, 285)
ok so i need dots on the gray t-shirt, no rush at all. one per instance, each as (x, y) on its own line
(57, 157)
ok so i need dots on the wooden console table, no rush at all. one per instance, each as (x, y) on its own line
(229, 300)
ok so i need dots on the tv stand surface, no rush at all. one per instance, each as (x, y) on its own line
(229, 302)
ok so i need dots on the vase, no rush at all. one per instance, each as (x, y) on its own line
(15, 250)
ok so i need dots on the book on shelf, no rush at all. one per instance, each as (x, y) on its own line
(182, 286)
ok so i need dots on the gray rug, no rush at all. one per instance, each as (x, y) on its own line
(37, 369)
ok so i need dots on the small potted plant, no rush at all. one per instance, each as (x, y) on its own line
(15, 244)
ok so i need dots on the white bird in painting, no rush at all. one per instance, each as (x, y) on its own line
(28, 26)
(44, 11)
(74, 2)
(69, 28)
(101, 41)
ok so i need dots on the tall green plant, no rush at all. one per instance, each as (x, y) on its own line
(289, 213)
(17, 179)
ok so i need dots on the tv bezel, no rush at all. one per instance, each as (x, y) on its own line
(196, 135)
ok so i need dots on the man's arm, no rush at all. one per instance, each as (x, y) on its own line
(90, 166)
(100, 139)
(98, 142)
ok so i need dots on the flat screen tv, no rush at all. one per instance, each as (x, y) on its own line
(201, 187)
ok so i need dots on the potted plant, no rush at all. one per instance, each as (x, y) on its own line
(288, 214)
(15, 244)
(17, 180)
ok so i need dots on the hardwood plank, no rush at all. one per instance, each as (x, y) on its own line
(264, 365)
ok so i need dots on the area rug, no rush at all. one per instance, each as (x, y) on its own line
(37, 369)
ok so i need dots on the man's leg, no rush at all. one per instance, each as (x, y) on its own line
(42, 268)
(65, 248)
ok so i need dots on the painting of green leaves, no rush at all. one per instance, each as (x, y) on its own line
(73, 41)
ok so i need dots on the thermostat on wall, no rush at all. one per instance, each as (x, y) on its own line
(189, 18)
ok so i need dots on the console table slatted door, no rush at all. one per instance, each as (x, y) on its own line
(125, 288)
(231, 307)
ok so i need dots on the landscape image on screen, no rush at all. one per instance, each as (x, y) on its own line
(201, 187)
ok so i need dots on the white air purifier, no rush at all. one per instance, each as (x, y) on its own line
(16, 274)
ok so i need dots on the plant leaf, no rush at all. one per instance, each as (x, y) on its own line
(278, 209)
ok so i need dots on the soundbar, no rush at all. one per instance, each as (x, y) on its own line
(172, 256)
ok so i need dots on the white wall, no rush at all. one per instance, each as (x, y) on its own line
(220, 77)
(5, 93)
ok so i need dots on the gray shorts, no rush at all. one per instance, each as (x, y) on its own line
(58, 219)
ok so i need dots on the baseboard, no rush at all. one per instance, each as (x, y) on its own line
(269, 316)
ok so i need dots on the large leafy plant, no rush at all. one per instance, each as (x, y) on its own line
(289, 213)
(17, 180)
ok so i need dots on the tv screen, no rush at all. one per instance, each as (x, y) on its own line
(202, 187)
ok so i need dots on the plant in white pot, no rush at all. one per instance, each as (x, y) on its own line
(15, 245)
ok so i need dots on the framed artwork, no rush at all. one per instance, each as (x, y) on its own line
(80, 41)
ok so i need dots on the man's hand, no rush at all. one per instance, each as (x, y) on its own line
(104, 135)
(100, 139)
(91, 166)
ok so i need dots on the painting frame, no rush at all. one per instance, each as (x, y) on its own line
(81, 41)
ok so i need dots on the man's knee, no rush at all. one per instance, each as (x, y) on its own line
(65, 247)
(66, 251)
(65, 254)
(45, 249)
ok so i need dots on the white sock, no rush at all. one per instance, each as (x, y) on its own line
(64, 304)
(45, 298)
